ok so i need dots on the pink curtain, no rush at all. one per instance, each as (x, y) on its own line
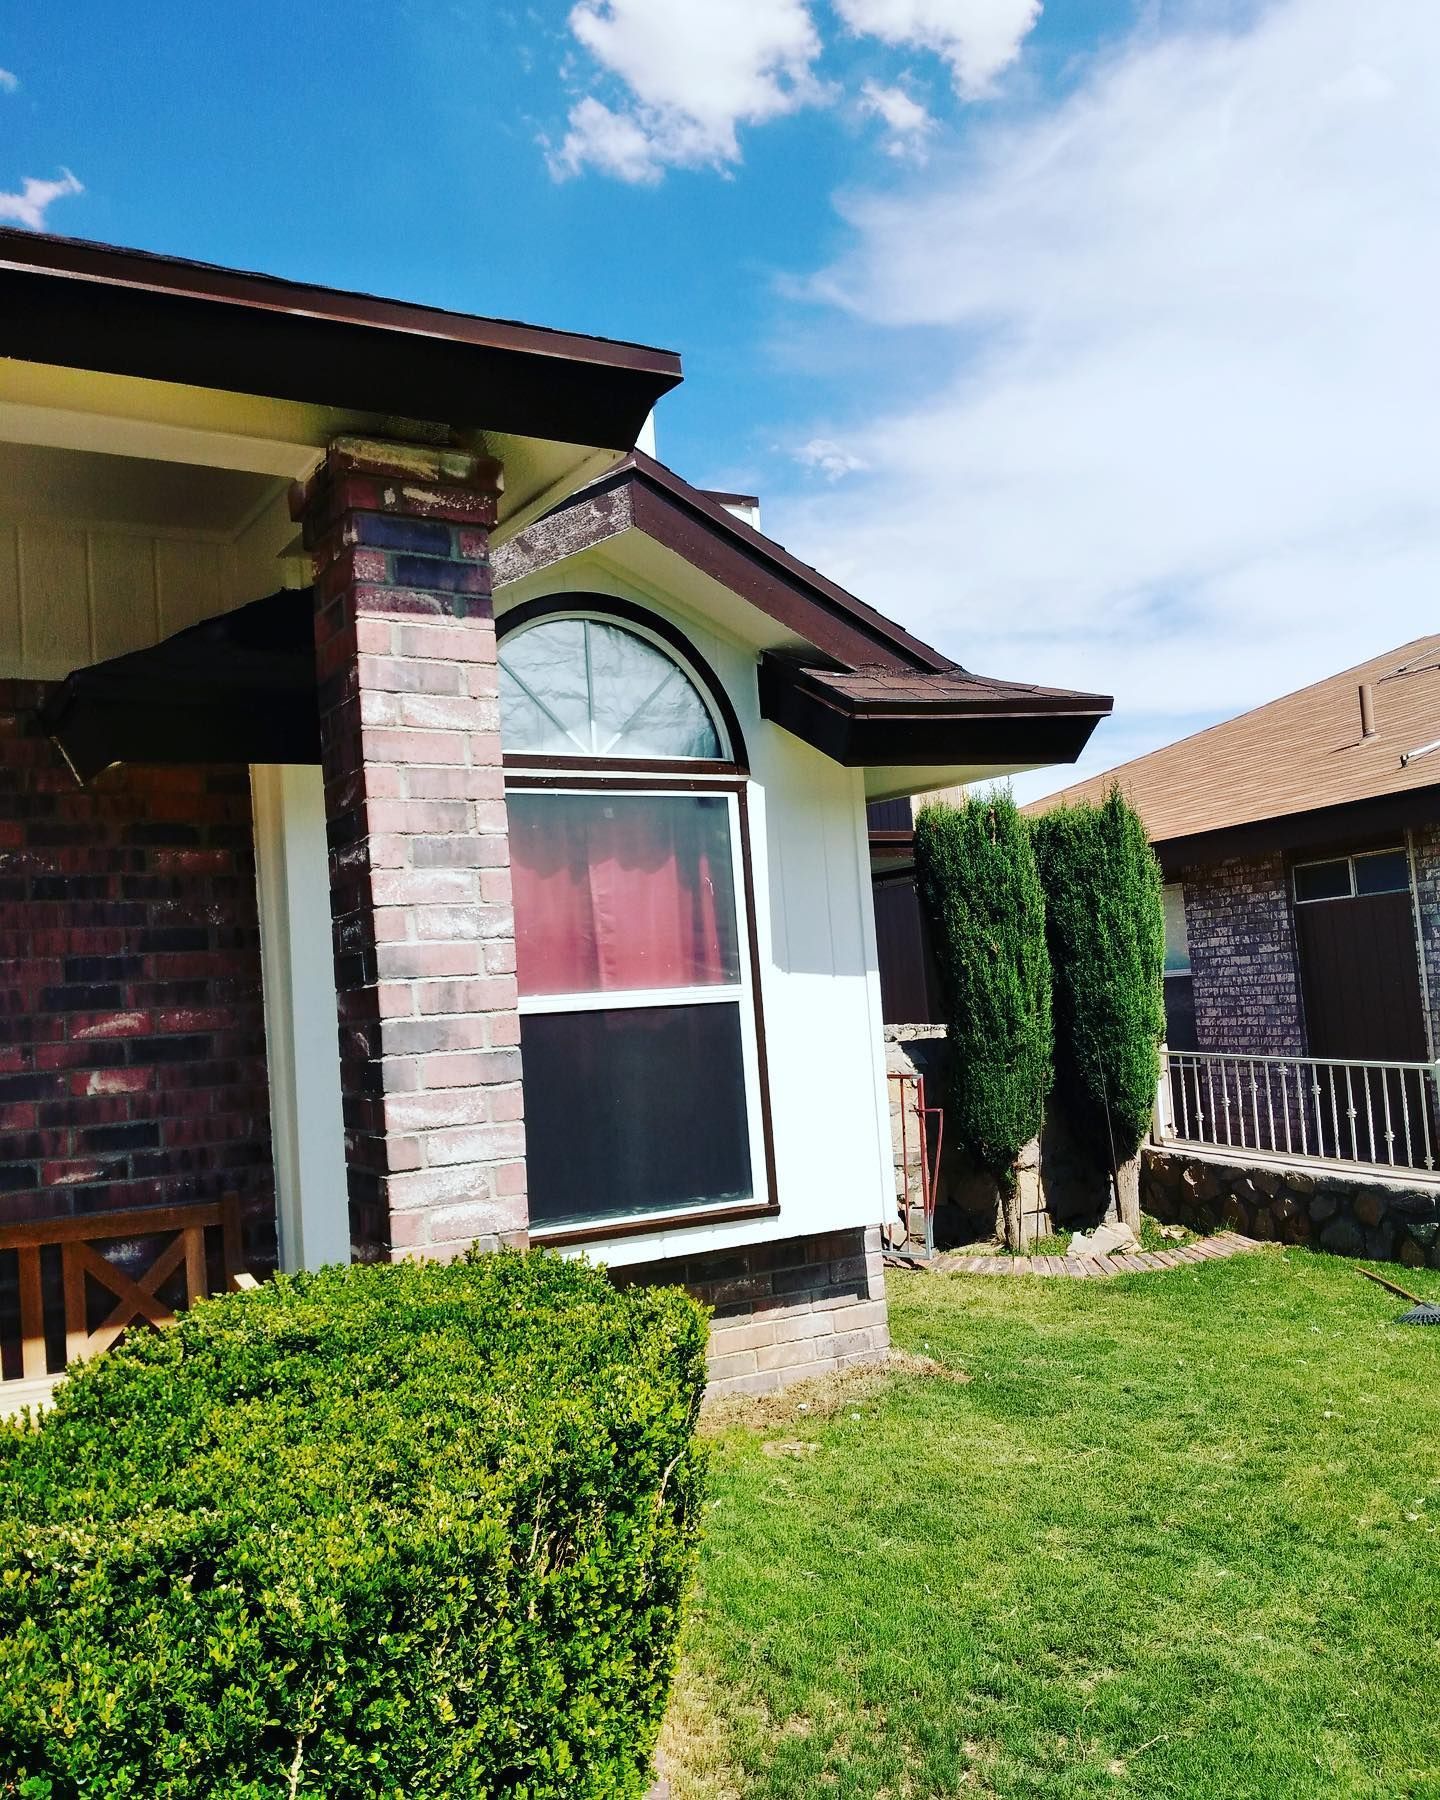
(617, 891)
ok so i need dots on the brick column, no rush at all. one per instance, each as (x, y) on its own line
(419, 855)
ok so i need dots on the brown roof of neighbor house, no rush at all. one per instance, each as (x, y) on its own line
(131, 312)
(1299, 754)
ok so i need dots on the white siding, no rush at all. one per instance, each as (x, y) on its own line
(74, 594)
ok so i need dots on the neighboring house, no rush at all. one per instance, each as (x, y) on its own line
(1300, 845)
(590, 961)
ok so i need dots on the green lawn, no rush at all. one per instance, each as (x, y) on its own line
(1178, 1534)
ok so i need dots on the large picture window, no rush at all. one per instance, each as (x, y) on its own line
(639, 1019)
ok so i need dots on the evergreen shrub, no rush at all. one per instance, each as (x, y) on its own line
(976, 874)
(406, 1531)
(1106, 927)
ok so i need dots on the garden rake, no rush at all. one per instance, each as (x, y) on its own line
(1422, 1312)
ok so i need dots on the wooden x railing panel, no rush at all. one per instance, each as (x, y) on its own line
(137, 1298)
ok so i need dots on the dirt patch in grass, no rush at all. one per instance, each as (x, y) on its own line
(823, 1398)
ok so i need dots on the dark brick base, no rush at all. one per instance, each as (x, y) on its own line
(784, 1311)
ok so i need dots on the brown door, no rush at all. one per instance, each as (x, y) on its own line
(909, 983)
(1361, 979)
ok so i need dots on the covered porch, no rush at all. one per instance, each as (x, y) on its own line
(222, 1052)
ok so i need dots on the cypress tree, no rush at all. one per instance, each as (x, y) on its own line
(978, 882)
(1106, 929)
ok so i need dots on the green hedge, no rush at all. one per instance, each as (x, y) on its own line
(1107, 944)
(405, 1531)
(975, 870)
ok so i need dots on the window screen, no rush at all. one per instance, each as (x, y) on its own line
(636, 1110)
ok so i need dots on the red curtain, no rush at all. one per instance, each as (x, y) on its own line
(617, 891)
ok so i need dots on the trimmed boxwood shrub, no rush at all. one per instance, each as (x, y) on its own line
(975, 871)
(1107, 944)
(404, 1531)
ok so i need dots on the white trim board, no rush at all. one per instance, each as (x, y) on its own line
(302, 1040)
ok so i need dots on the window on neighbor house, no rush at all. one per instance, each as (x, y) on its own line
(1179, 985)
(638, 1020)
(1177, 938)
(1345, 877)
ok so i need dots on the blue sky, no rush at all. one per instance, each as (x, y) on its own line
(1090, 339)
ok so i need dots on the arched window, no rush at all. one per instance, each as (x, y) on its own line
(639, 1019)
(591, 687)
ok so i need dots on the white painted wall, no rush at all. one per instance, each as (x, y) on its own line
(302, 1044)
(819, 975)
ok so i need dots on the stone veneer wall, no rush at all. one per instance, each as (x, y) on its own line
(1340, 1211)
(1242, 957)
(1425, 843)
(784, 1311)
(1060, 1186)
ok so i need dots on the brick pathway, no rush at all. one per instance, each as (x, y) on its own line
(1211, 1249)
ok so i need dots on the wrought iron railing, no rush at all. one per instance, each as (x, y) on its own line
(1376, 1114)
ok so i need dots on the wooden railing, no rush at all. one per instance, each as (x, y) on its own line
(176, 1238)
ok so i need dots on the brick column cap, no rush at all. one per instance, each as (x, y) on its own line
(416, 481)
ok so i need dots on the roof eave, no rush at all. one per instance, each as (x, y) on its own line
(941, 735)
(1319, 828)
(124, 312)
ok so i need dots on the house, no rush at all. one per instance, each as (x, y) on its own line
(353, 909)
(1300, 845)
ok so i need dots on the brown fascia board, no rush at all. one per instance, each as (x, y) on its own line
(131, 312)
(1325, 828)
(642, 493)
(993, 723)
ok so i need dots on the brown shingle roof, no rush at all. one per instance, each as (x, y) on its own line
(1293, 755)
(906, 690)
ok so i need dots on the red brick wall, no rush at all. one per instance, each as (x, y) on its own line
(132, 1039)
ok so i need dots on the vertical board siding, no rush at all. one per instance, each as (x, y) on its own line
(122, 586)
(190, 583)
(55, 595)
(10, 615)
(1360, 978)
(72, 595)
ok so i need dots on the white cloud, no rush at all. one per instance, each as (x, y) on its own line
(977, 38)
(8, 81)
(829, 458)
(614, 143)
(1178, 434)
(907, 123)
(692, 75)
(29, 205)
